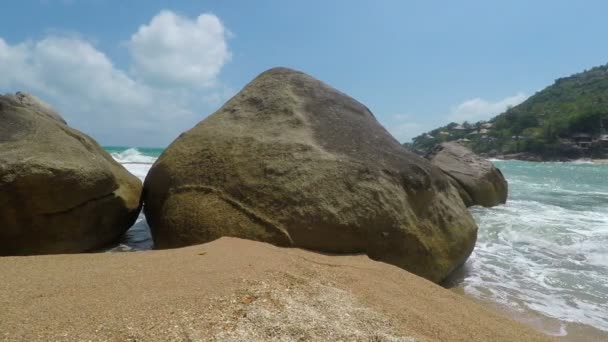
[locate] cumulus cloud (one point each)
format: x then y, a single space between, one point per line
56 65
105 101
479 109
178 50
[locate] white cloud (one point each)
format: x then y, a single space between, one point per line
477 109
106 102
402 127
177 50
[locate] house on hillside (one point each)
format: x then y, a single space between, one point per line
602 141
481 131
467 126
463 127
582 140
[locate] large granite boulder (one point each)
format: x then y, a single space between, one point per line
478 180
60 192
294 162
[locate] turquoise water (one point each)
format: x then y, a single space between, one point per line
138 161
546 250
153 152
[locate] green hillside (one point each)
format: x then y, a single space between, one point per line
568 119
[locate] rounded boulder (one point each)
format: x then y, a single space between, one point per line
60 192
291 161
479 181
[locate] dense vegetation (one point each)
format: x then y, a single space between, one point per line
548 124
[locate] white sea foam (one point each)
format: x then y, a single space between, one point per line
547 248
136 162
139 170
138 237
582 161
133 156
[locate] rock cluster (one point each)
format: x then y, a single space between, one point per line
289 160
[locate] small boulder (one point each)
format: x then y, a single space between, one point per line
478 180
60 192
294 162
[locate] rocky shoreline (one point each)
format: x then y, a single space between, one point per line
524 156
288 161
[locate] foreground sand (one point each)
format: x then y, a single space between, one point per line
234 290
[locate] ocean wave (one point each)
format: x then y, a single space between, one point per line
550 258
546 249
582 161
132 156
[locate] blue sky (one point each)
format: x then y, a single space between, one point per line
138 73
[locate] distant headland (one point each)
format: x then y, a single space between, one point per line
565 121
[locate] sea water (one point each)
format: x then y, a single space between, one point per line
138 161
546 250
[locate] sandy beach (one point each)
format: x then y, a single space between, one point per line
233 290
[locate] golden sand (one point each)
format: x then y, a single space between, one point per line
234 290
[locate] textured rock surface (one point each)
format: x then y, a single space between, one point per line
480 182
60 192
292 161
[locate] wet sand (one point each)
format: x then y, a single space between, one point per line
562 331
234 290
